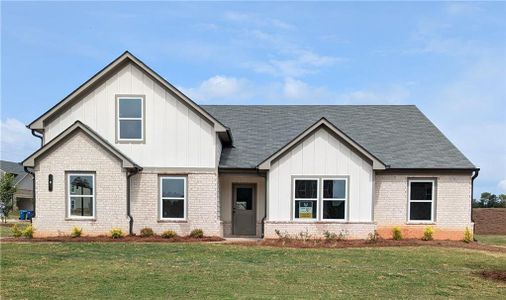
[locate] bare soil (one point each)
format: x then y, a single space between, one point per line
494 275
107 239
489 220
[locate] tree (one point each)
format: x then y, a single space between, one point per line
7 190
489 200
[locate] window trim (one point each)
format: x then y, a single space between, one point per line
345 199
317 199
432 201
69 207
161 198
142 119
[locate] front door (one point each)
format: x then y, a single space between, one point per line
244 212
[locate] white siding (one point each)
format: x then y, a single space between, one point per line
175 135
321 154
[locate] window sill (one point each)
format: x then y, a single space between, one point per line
81 219
421 223
172 221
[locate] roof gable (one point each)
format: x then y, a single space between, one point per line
114 66
126 162
377 164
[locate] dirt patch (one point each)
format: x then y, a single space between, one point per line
494 275
489 220
107 239
364 243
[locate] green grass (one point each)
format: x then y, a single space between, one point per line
497 240
138 270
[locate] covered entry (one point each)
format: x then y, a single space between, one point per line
244 209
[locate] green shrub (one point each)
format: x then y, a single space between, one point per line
197 233
330 236
147 232
397 233
76 232
168 234
427 233
16 232
373 237
28 232
468 236
116 233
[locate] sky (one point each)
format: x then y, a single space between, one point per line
449 59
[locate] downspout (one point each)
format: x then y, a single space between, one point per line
34 133
130 218
265 203
476 173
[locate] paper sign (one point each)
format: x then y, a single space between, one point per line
306 210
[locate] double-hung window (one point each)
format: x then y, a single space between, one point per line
130 126
81 195
306 199
334 199
172 198
421 200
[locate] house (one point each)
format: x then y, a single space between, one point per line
23 182
127 149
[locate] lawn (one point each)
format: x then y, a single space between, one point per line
5 229
168 270
497 240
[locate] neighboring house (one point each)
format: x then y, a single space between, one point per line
127 149
23 198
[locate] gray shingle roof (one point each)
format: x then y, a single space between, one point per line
399 135
12 167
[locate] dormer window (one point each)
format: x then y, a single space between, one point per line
130 119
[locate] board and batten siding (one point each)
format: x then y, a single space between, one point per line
175 136
321 154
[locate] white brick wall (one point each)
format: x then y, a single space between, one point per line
317 229
453 200
79 153
202 204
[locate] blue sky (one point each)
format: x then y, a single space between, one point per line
447 58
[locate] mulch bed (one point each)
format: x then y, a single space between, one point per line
107 239
364 244
494 275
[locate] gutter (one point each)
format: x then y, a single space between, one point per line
34 133
476 173
135 171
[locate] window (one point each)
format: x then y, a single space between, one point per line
172 198
130 114
81 195
421 201
334 199
306 199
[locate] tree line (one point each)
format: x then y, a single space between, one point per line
489 200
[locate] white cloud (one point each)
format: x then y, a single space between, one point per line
16 140
220 87
395 94
502 185
460 8
240 17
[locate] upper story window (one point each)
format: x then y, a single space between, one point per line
421 200
81 195
130 119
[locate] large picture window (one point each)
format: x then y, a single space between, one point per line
306 199
172 198
334 199
421 200
130 114
81 195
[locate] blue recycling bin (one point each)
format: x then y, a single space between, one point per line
29 214
22 214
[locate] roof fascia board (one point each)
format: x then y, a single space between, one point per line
377 164
126 162
38 124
